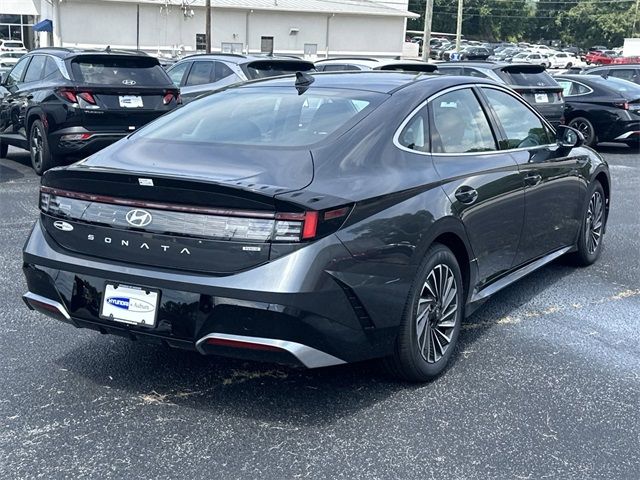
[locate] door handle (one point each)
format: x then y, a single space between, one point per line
532 179
466 195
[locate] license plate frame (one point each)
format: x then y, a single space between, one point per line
130 101
130 304
541 98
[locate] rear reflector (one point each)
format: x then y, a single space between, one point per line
75 137
223 342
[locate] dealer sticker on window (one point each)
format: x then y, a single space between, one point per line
129 304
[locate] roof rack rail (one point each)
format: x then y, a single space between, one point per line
236 55
370 59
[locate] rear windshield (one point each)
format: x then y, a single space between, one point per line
268 116
13 44
12 54
527 77
130 71
272 68
619 85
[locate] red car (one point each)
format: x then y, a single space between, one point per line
626 60
599 57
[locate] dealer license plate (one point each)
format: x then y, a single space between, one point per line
129 304
131 101
542 98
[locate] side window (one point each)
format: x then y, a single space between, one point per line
34 72
338 67
414 135
624 73
51 70
472 72
522 127
221 71
16 72
177 72
201 73
579 89
459 124
566 87
451 70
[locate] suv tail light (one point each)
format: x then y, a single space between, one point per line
170 95
72 95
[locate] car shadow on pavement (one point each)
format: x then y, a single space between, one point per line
267 392
618 148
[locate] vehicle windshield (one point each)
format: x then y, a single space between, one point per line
265 116
13 44
270 68
114 70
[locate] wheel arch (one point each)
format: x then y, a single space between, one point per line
450 232
32 115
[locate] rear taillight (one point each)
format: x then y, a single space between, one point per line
169 96
216 223
87 97
74 96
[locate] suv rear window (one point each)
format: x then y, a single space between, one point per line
265 116
113 70
273 68
527 78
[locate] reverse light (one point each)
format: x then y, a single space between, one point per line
75 137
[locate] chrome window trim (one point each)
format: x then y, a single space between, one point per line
396 136
579 83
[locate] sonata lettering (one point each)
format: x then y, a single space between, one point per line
144 245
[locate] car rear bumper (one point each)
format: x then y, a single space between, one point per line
79 141
290 310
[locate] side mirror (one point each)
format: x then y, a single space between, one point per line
569 137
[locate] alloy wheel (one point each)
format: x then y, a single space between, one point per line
36 147
436 313
585 129
593 222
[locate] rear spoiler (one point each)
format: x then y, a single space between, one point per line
409 67
523 68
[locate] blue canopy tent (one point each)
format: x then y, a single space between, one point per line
43 26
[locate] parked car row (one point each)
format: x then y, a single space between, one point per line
63 104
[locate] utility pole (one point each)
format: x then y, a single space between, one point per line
426 35
137 26
207 26
635 19
459 26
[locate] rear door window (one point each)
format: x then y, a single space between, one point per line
119 70
459 124
34 72
200 74
522 127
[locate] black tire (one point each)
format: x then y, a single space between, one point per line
41 157
584 126
592 228
4 149
411 361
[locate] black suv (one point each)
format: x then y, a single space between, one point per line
535 85
629 71
60 102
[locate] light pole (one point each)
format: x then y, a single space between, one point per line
207 26
426 35
459 26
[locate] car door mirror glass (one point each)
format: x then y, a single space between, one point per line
569 137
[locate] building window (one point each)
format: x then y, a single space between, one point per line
17 27
311 50
231 47
201 41
266 44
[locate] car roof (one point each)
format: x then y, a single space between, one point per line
370 80
69 52
241 58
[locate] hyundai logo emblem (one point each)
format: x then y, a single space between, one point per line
129 82
64 226
138 218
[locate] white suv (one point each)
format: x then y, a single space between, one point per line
12 45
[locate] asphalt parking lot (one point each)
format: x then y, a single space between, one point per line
546 384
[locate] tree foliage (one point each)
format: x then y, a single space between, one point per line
576 22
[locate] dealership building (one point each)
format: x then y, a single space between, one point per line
315 28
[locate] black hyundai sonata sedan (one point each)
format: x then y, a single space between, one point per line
317 219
